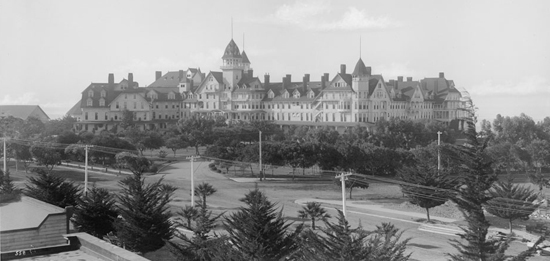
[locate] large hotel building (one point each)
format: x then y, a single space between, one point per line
347 99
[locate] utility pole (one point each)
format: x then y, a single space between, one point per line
5 155
438 151
261 170
86 148
343 177
192 158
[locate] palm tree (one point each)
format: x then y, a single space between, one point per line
314 211
204 190
189 213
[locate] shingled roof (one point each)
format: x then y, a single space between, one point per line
231 51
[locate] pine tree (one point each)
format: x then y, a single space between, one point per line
313 211
8 191
95 212
188 213
433 185
511 201
258 232
341 242
52 189
145 222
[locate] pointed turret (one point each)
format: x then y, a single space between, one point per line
245 57
360 69
231 51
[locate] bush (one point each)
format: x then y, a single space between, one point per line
219 171
154 168
212 165
540 229
162 154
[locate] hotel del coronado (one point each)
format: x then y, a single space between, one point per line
348 98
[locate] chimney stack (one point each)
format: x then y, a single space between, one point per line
266 79
181 75
409 79
158 74
305 80
400 78
326 77
441 75
131 78
342 68
369 70
111 79
323 81
392 82
288 79
284 82
250 73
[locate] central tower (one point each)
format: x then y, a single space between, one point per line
232 65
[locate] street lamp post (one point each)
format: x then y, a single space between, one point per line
192 159
438 151
343 177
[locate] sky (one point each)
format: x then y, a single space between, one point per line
499 51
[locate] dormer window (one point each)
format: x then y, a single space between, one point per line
102 102
90 93
103 93
171 96
311 95
285 95
296 94
89 102
270 94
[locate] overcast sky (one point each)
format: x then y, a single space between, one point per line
499 51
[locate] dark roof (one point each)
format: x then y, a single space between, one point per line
218 76
245 57
162 94
360 68
170 79
231 51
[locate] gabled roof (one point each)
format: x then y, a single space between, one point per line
231 51
23 112
170 79
245 57
162 94
347 79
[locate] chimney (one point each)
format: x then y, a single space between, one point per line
400 78
250 73
342 68
305 80
158 74
323 81
392 82
288 79
441 75
131 78
409 79
181 75
326 77
111 79
284 82
266 79
369 70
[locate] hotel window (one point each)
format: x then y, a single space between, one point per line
103 94
90 93
95 116
117 105
89 102
106 116
102 102
86 115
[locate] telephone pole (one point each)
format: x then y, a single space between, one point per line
192 159
86 148
343 177
261 170
5 155
438 151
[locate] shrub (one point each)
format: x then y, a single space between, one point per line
219 171
162 154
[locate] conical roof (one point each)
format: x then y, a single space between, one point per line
231 51
360 69
245 57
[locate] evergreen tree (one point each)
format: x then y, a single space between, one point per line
341 242
52 189
477 178
95 212
8 191
433 185
511 201
314 211
188 213
258 232
145 222
353 181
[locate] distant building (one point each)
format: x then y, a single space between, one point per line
348 99
23 112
